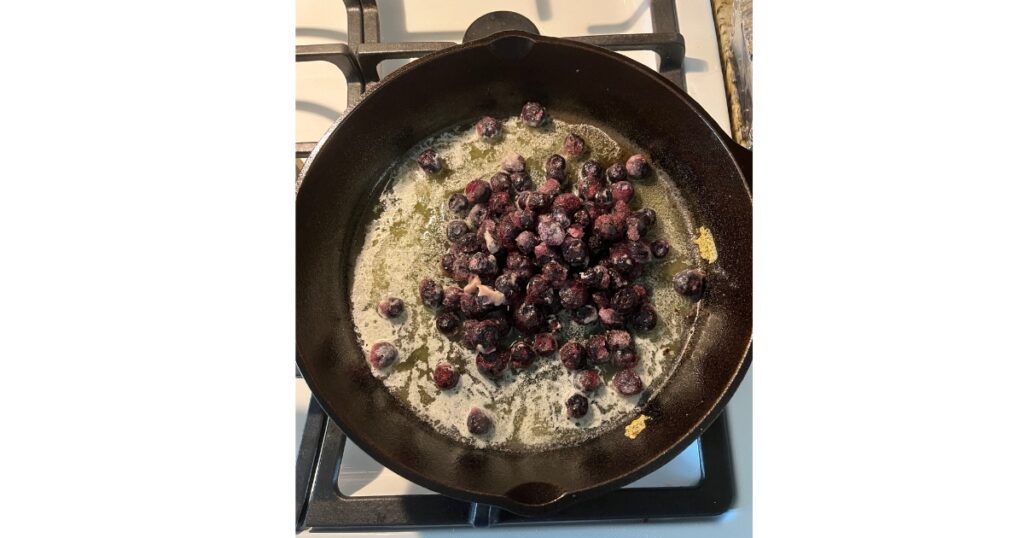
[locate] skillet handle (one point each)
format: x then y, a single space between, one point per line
745 160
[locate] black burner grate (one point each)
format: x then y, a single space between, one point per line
320 506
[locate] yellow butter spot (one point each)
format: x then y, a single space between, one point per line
634 428
706 245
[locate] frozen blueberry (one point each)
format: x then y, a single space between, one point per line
616 172
622 190
550 187
610 318
506 283
539 292
603 199
639 251
521 181
448 262
528 318
451 298
382 354
596 277
607 228
645 319
544 344
573 355
526 241
647 215
533 114
483 264
627 383
429 161
478 422
458 204
576 406
582 218
390 307
618 340
567 202
554 167
574 251
447 323
513 162
515 261
445 376
638 167
480 335
574 145
618 259
584 315
544 253
555 273
430 292
551 233
477 191
537 201
522 355
499 204
477 214
591 168
576 231
488 128
597 349
523 219
586 380
500 182
659 248
573 296
589 187
689 283
624 358
636 228
456 229
492 366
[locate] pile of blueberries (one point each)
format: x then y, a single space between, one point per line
524 253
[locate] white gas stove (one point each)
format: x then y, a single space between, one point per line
321 97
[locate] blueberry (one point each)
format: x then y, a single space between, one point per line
456 229
591 168
582 218
447 262
478 422
622 190
586 380
522 355
470 306
458 204
647 215
584 315
619 260
576 406
429 161
603 198
537 201
488 128
645 319
574 251
477 191
526 241
567 202
507 285
499 204
573 355
521 181
506 233
382 354
513 162
615 172
539 292
452 298
576 231
544 344
555 273
689 283
523 219
521 199
476 215
499 318
515 261
528 318
390 307
544 253
480 335
610 319
492 366
638 167
574 145
607 228
554 167
481 263
551 233
597 349
596 277
500 182
635 228
560 217
447 323
445 376
639 251
659 248
600 299
533 114
573 296
618 340
430 293
550 187
627 383
589 187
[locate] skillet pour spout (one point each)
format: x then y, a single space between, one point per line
494 76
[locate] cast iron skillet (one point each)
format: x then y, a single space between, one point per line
495 76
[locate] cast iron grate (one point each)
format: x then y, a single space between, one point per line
320 507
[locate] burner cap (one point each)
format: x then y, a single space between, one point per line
498 21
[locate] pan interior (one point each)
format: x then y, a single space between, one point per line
404 242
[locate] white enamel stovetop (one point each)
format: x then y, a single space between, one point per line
320 99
